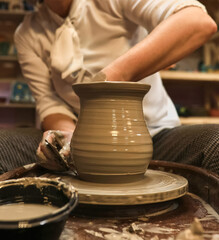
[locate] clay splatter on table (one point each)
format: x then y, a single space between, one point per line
165 226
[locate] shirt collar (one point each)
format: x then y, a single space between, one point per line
76 12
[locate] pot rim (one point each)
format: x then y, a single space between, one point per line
112 85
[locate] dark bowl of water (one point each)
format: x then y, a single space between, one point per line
35 208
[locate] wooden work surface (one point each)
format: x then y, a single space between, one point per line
143 222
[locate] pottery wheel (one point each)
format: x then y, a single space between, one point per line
156 186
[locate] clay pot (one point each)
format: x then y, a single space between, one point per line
111 142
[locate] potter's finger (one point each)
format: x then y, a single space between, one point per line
49 137
65 151
48 159
47 152
42 160
63 137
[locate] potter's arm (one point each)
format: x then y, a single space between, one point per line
174 38
58 121
54 113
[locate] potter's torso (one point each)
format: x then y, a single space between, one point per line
105 31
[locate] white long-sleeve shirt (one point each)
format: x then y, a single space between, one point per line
100 31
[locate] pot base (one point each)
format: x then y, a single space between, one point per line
114 179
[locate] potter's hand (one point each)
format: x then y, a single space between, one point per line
54 151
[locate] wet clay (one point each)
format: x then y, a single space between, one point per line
21 211
111 142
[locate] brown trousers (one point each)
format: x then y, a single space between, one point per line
196 145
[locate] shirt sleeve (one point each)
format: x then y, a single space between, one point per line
37 74
149 13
